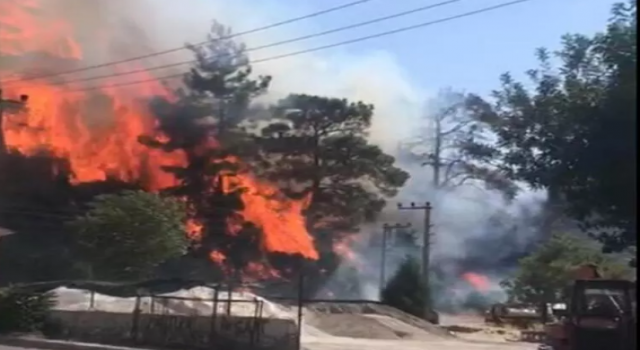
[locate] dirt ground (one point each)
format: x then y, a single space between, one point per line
372 326
354 327
472 327
344 343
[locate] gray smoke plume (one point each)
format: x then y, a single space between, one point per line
474 230
467 235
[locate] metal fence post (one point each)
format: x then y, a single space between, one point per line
214 316
300 309
136 319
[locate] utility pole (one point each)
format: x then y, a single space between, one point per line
9 105
426 249
386 230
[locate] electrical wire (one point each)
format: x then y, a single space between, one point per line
274 44
342 43
164 52
324 47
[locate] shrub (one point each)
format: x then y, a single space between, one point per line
407 290
23 310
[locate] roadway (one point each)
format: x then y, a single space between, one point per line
359 344
5 347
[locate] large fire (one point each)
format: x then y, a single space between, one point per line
97 131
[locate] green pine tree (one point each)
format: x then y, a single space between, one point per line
407 290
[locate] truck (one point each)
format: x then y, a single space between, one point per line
600 315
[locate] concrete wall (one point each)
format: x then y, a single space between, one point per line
177 330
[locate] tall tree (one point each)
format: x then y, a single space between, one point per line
317 147
321 150
206 125
450 145
574 132
126 236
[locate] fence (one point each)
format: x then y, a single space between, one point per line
222 321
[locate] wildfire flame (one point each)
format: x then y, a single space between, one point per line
97 131
479 282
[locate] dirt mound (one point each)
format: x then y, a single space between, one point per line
372 308
353 326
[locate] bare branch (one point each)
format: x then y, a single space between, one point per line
459 126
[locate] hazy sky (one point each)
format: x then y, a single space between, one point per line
471 52
397 73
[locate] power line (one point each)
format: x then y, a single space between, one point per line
324 47
278 43
164 52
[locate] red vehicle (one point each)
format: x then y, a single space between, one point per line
601 315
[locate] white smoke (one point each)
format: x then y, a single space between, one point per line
370 76
110 31
373 76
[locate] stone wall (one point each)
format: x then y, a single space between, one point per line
177 330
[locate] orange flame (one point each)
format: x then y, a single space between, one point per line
479 282
194 230
217 256
97 131
22 32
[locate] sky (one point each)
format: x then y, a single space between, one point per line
469 53
397 73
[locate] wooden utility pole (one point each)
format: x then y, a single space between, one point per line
386 230
426 249
9 105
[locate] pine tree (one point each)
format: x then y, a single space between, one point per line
407 290
205 125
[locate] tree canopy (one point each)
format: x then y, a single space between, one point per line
572 128
312 147
569 129
125 236
321 149
544 275
452 145
206 124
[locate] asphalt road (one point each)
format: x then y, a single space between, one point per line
353 344
383 346
4 347
359 344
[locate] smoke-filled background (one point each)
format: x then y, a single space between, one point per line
476 231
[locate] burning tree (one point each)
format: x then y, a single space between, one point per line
317 146
321 146
204 124
197 145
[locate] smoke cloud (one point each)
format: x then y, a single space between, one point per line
464 234
110 31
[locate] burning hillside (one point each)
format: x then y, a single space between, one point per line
97 131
